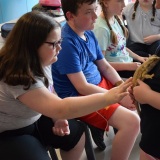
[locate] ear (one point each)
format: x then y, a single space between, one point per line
69 15
105 3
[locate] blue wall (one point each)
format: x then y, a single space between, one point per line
13 9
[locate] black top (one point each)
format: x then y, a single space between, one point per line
150 119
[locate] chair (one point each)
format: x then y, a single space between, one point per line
88 146
52 153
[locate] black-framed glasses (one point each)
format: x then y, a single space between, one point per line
54 44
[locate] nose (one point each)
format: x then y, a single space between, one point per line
95 15
58 47
123 4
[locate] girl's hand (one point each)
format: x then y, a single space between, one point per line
150 39
142 59
139 91
135 65
61 128
116 94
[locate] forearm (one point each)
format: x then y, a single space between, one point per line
84 105
90 89
69 108
90 103
50 105
152 98
158 37
119 66
132 54
111 74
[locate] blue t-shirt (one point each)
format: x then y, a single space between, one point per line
76 55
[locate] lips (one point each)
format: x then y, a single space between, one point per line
57 54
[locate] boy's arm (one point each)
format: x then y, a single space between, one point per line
82 86
111 74
108 71
85 88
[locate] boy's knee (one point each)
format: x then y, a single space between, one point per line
134 121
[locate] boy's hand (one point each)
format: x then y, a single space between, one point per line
142 59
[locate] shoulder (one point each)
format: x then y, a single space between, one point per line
18 90
69 36
39 83
129 5
101 26
67 31
100 23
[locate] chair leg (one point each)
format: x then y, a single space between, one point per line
53 153
88 145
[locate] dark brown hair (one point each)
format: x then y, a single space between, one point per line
19 59
73 5
153 10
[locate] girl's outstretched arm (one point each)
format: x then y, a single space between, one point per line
49 104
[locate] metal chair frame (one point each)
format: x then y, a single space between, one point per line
88 146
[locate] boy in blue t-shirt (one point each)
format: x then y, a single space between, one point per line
81 69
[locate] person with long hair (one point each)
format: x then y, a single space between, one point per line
112 35
147 93
32 116
150 113
143 21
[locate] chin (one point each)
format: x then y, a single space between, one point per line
90 28
55 59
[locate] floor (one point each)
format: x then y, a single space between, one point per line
105 155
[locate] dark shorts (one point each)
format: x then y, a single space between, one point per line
64 142
31 143
145 50
126 74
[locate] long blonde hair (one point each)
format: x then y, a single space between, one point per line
113 35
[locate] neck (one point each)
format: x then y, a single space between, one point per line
77 30
146 8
